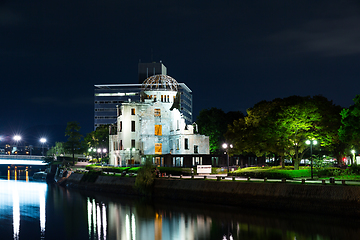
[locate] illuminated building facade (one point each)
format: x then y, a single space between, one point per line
154 126
108 96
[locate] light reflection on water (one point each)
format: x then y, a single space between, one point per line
22 199
34 210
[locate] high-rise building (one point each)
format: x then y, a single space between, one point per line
108 96
146 70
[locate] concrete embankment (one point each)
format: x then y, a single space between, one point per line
333 199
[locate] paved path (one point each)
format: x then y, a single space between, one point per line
225 177
307 181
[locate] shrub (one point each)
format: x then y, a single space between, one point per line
91 176
145 178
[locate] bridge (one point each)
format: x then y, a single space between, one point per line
20 167
22 160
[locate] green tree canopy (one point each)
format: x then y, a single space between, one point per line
282 126
349 131
98 138
213 123
56 150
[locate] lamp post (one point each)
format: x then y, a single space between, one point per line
99 153
102 155
311 143
17 139
43 141
353 156
226 147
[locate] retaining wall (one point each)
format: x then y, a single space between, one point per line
334 199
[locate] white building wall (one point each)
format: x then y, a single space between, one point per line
174 130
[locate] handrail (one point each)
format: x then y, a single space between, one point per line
22 157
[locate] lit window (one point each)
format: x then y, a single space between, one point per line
158 130
133 111
157 112
158 148
133 126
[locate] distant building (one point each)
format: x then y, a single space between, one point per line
146 70
108 96
154 126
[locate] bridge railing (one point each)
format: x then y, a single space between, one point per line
22 157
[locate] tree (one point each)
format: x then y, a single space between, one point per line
98 138
73 143
349 131
213 123
283 125
57 150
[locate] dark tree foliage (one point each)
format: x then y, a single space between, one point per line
349 131
213 123
73 143
282 126
98 138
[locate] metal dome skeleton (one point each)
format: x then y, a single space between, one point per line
160 82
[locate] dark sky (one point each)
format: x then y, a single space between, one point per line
232 54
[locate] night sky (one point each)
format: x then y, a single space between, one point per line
232 54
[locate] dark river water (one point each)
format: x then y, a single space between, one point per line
36 210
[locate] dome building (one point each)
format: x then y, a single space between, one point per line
154 127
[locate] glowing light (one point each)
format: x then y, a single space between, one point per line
16 213
98 214
94 214
104 221
17 138
89 207
43 140
42 204
133 226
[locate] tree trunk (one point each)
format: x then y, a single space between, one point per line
282 161
296 164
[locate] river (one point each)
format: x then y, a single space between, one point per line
36 210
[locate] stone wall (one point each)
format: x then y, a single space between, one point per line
333 199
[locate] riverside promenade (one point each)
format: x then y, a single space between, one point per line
313 196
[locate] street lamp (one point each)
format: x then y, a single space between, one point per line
353 155
226 147
17 138
99 153
311 143
43 141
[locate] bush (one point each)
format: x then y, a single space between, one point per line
91 176
145 178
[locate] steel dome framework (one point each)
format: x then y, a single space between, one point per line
160 82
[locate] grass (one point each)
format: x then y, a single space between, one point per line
273 172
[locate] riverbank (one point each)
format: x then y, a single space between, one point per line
332 199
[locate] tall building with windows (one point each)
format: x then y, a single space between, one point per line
108 96
154 125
